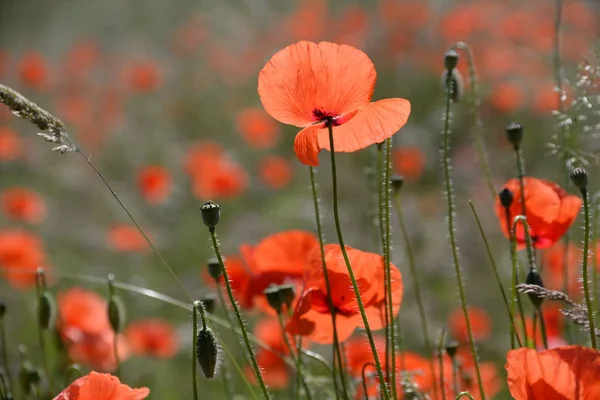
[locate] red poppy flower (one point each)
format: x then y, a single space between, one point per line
83 311
408 162
76 109
33 70
126 238
307 84
143 76
23 205
569 372
481 325
507 97
98 350
467 379
154 182
556 260
10 144
95 386
276 373
258 129
21 254
311 316
549 209
153 337
81 58
275 171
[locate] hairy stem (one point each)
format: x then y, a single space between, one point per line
584 267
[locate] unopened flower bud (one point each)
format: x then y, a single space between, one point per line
209 301
211 212
514 133
451 59
506 197
397 182
272 294
207 352
452 348
46 310
2 310
116 313
534 278
214 268
287 292
579 176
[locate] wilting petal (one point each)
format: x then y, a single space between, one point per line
306 77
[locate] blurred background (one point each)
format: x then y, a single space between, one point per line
153 89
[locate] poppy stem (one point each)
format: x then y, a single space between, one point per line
415 283
364 379
336 344
452 228
513 329
513 251
4 352
295 358
40 286
196 306
229 320
474 103
384 389
440 353
238 315
464 394
521 174
543 327
594 241
584 267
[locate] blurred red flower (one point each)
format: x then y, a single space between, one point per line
10 144
3 63
21 254
126 238
95 386
152 337
257 128
311 316
22 204
276 373
507 97
81 59
142 76
481 325
549 209
569 372
467 378
154 183
307 84
558 260
275 172
408 162
33 71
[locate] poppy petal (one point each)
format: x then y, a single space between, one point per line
306 77
306 146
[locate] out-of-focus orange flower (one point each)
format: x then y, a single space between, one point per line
545 99
569 372
558 260
352 26
549 209
239 278
95 386
21 254
507 97
276 373
311 316
408 162
126 238
154 183
81 58
188 37
213 174
307 84
97 351
358 353
258 129
22 204
75 109
481 325
152 337
33 71
3 63
10 144
275 172
143 76
467 380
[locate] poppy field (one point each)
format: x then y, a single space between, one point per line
304 199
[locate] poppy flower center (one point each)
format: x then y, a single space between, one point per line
322 116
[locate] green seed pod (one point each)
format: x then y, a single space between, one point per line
287 292
272 294
207 352
211 213
514 133
214 268
116 313
2 310
579 176
534 278
397 182
452 348
451 59
46 310
506 197
209 301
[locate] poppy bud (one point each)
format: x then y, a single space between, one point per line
452 348
456 84
397 182
207 352
287 293
46 310
514 133
116 313
272 293
451 59
534 278
211 212
579 176
506 197
214 268
2 310
209 301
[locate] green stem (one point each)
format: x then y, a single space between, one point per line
415 283
295 358
5 353
384 389
513 252
464 394
336 345
521 173
455 375
584 267
230 321
238 315
299 376
543 328
513 329
594 241
197 305
40 288
451 229
364 379
116 352
440 351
